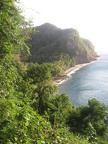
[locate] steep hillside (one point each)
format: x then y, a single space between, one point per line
51 42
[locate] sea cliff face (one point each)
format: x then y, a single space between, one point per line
51 42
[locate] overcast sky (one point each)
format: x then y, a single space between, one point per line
89 17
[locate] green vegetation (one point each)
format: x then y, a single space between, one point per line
51 42
62 48
31 111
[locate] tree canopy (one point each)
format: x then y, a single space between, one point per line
31 111
51 42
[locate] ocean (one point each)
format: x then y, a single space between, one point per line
90 81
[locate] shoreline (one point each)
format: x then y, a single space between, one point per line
69 72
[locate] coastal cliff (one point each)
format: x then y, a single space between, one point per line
50 43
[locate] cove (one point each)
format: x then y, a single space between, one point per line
90 81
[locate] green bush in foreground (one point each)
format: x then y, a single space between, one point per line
30 110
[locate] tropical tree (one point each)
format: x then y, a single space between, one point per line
60 109
43 85
12 25
90 120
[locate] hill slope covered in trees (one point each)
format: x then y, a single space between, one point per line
51 43
31 111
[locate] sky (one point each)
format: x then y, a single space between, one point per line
89 17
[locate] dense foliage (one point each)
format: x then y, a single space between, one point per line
62 48
51 42
31 111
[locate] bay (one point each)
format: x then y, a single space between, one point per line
91 81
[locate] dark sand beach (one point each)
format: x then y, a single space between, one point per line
68 73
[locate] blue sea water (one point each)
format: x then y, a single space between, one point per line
91 81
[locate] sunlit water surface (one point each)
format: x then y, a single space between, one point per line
91 81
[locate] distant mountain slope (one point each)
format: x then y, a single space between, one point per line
51 42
